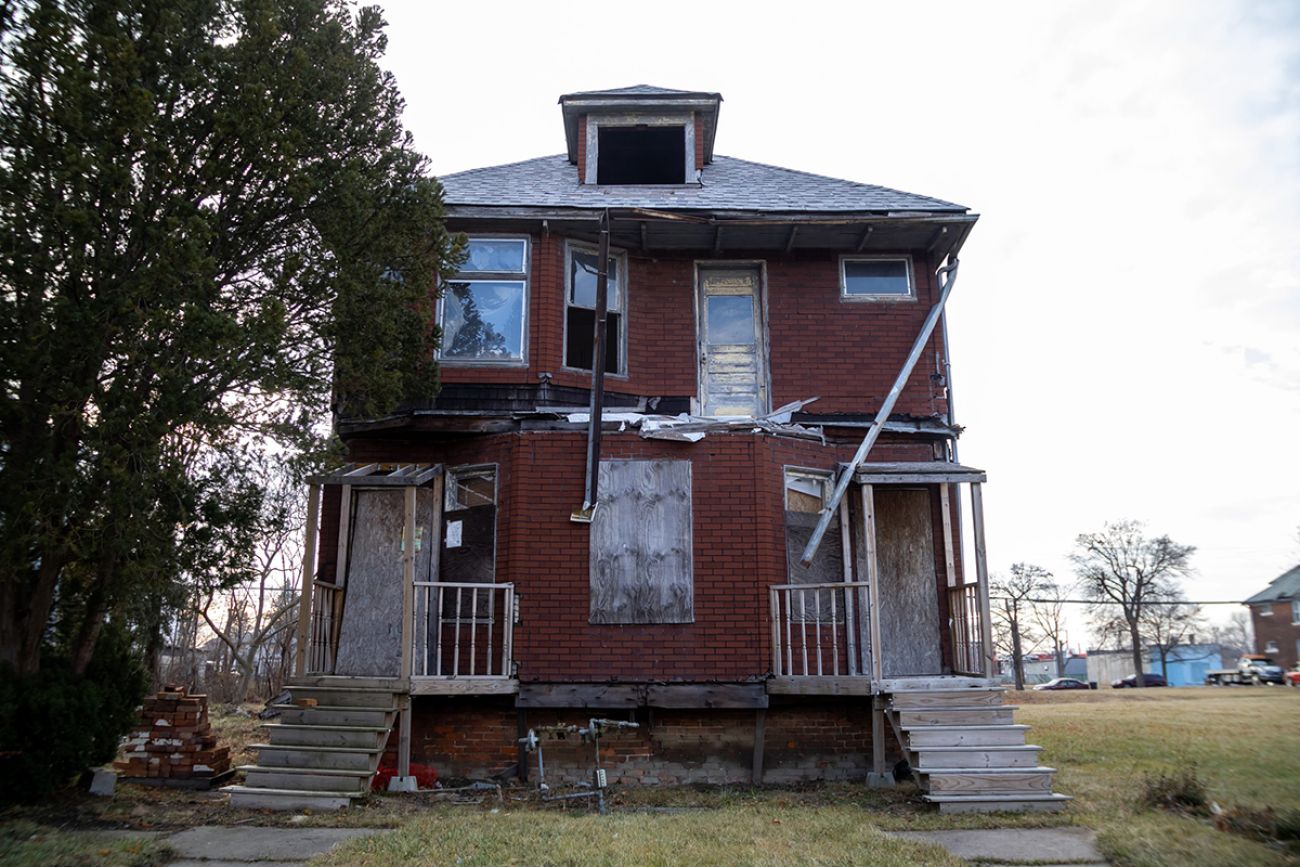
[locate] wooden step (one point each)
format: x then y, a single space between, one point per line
958 716
966 736
345 696
999 781
946 698
336 715
975 757
306 779
387 684
332 758
286 799
999 803
361 737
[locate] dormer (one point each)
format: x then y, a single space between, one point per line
640 135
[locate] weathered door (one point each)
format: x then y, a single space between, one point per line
370 632
733 357
908 593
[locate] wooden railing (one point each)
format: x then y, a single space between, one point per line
320 630
464 630
820 630
968 652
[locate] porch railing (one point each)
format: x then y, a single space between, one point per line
820 630
968 651
464 630
320 631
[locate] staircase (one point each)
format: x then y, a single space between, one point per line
321 757
968 754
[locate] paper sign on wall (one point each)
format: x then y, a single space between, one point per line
453 534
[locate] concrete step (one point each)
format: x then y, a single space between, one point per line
966 736
335 715
332 758
999 803
286 799
957 716
998 781
305 779
359 737
345 696
946 698
975 757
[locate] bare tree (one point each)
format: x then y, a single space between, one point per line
1234 637
1124 571
1010 597
1047 614
1167 625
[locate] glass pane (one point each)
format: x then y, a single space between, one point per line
483 319
876 277
731 319
495 254
582 280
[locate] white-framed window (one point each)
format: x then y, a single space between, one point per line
876 278
807 492
1264 610
484 309
580 267
1295 612
1270 647
468 487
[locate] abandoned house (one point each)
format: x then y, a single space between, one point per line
693 464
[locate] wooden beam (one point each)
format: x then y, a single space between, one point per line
851 597
873 578
814 685
308 577
464 686
878 737
404 739
949 556
408 586
982 576
760 736
721 696
340 571
575 695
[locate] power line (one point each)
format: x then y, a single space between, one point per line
1108 602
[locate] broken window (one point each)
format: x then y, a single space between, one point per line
580 312
484 306
641 560
641 155
807 493
875 277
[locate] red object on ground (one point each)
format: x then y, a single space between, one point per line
425 777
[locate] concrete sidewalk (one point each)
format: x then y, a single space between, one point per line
1049 847
239 846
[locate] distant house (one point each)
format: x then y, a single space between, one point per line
1041 667
1184 665
1275 615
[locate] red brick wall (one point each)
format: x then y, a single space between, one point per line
848 353
803 742
582 149
699 140
1276 627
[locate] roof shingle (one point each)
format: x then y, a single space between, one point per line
1285 586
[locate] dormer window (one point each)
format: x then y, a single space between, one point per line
641 155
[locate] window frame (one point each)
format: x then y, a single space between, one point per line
524 276
827 480
621 257
595 120
469 471
1295 612
845 295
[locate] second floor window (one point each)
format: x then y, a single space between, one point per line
484 307
580 312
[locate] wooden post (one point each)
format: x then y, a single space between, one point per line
308 576
340 571
760 735
949 557
408 586
982 576
404 741
846 554
873 582
879 776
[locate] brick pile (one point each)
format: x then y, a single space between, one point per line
174 744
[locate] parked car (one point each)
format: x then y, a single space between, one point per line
1130 682
1259 668
1063 683
1293 676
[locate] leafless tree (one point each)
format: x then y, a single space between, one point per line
1234 637
1167 625
1009 596
1047 615
1124 571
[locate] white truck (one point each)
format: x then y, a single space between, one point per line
1253 668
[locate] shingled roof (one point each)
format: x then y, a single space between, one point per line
727 184
1284 587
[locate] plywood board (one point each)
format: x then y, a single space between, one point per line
370 634
641 560
909 600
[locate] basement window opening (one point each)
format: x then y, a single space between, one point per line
641 155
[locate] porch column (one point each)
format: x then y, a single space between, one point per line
308 576
982 576
408 636
873 585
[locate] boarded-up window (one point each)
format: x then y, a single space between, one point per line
806 495
641 558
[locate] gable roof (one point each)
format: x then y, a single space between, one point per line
637 90
726 184
1284 587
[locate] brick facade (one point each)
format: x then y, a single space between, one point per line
1279 627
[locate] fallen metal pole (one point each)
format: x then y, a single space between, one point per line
584 515
949 275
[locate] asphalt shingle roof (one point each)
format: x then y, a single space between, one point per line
634 90
1285 586
726 184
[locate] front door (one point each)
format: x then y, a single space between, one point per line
733 368
910 643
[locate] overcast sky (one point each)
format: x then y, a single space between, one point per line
1126 327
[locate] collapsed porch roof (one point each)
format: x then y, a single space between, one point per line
917 472
379 475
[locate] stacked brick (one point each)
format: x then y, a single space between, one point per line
174 743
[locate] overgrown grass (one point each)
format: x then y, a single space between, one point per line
26 844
